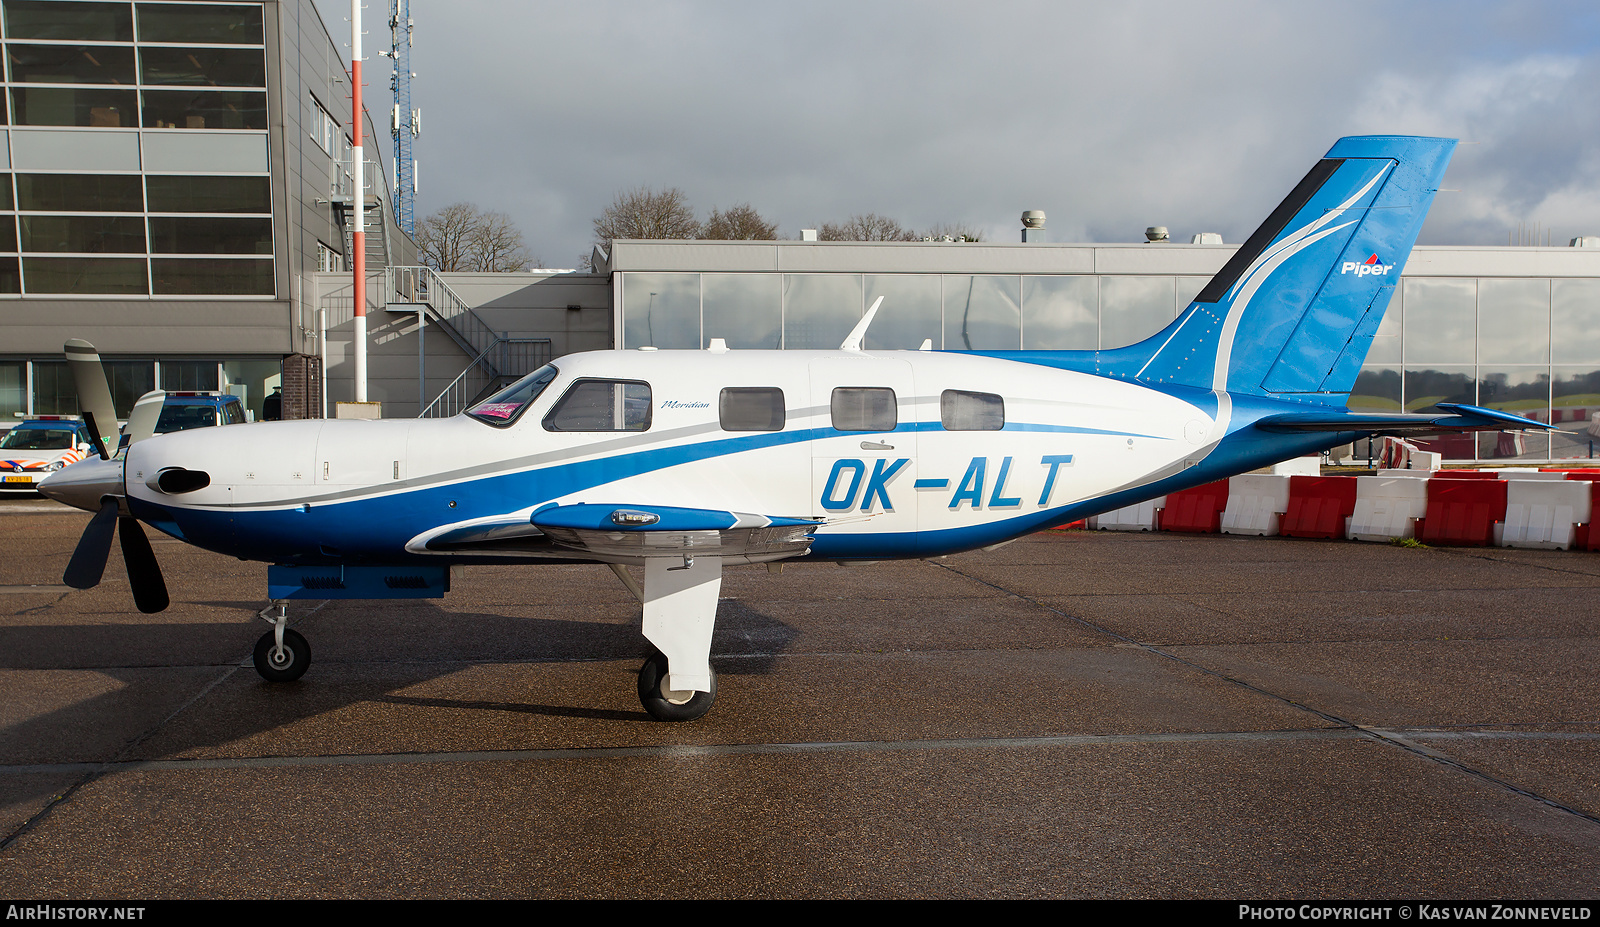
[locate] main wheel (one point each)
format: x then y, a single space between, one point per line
287 665
668 705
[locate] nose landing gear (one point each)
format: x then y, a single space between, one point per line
281 655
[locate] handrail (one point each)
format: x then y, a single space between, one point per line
472 382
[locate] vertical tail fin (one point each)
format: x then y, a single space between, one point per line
1295 309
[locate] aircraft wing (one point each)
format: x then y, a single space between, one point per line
633 532
1457 417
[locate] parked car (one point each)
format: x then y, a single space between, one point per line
185 410
39 446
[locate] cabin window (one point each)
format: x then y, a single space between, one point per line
756 408
864 408
960 410
602 405
504 407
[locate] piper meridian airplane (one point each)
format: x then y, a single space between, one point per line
681 462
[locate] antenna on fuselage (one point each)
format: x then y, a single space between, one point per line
852 341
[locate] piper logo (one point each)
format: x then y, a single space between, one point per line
1370 266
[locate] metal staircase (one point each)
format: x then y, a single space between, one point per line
497 359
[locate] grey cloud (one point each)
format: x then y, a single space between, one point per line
1108 117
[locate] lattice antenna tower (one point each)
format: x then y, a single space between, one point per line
405 123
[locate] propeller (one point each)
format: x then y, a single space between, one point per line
100 486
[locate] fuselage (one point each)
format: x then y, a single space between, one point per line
896 454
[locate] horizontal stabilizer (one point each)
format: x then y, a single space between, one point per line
1458 418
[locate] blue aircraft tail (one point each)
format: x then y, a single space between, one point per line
1295 309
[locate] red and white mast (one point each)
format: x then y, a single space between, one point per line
358 240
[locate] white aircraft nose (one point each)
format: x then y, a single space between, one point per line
83 484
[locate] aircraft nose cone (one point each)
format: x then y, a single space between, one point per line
83 484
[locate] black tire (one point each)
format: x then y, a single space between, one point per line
295 648
655 701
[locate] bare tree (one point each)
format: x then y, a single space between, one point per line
645 213
740 222
870 227
462 237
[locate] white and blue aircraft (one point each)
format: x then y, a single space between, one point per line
681 462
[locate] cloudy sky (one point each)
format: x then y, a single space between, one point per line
1108 116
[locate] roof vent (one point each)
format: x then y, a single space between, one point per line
1586 241
1156 233
808 234
1033 225
1206 238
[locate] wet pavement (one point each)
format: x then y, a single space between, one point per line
1073 715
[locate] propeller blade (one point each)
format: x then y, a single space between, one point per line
144 574
94 396
142 420
88 561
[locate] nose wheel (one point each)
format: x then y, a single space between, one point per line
281 655
666 704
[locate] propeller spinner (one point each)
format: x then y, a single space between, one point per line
99 485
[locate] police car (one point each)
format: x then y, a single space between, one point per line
181 411
40 446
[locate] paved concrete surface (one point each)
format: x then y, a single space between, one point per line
1074 715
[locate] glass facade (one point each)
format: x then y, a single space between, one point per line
108 84
46 387
1528 345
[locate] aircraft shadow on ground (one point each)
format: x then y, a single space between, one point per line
364 656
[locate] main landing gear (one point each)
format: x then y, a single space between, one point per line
281 655
679 596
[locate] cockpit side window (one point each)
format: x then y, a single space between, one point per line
602 405
506 406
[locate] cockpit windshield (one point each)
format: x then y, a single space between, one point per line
506 406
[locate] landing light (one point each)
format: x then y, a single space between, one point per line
630 519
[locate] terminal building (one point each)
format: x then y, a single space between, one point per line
178 193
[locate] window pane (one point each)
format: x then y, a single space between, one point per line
67 106
1377 389
819 310
1575 399
85 275
8 233
1134 308
661 310
1514 321
204 109
864 409
47 19
188 376
201 277
80 192
209 194
910 312
54 392
128 381
1440 321
1575 321
1523 391
83 234
13 382
70 64
602 405
1425 387
1060 313
963 411
10 276
207 25
745 310
982 313
206 67
751 409
204 235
